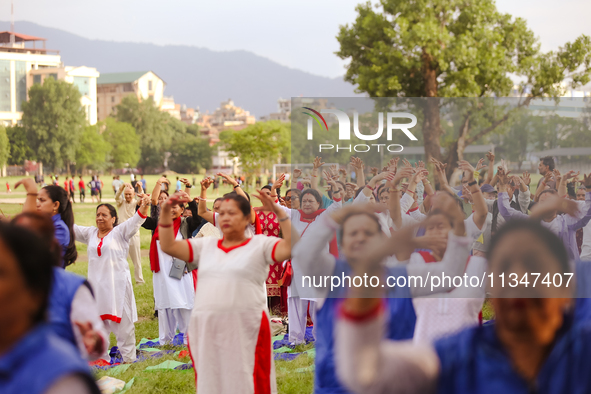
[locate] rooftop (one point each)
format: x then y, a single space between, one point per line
5 37
111 78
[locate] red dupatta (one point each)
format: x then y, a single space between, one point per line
154 260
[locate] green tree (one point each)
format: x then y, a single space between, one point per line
92 150
257 145
450 48
190 154
156 129
193 129
54 119
124 141
4 146
19 146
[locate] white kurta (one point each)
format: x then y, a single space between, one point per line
171 293
229 333
109 273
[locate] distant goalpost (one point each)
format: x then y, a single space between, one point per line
305 167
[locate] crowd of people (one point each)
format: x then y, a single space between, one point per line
220 274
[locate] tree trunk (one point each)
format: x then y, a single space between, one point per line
432 122
456 151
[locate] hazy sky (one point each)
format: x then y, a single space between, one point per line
299 34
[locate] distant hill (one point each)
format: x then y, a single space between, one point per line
194 76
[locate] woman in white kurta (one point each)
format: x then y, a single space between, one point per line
229 333
108 272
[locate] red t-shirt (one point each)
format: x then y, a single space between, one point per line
81 184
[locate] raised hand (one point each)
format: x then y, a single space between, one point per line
526 178
343 171
267 201
557 176
357 163
279 182
587 181
206 183
164 180
29 184
468 169
373 170
490 156
406 163
480 165
178 198
145 200
297 173
317 163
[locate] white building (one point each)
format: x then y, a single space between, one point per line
22 64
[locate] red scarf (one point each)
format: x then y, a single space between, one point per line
333 247
154 260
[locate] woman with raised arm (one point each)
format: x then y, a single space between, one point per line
213 216
53 200
173 294
235 357
108 271
534 345
362 236
298 306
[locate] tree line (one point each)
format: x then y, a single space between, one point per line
54 130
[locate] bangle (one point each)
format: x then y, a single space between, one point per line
32 194
370 188
410 191
315 176
476 191
164 225
472 183
284 219
236 186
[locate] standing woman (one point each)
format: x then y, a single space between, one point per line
53 200
173 296
108 271
229 333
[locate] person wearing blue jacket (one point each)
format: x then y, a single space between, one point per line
535 346
361 229
33 358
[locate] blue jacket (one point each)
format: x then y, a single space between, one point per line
402 318
474 361
63 288
39 360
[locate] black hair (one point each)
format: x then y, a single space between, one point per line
546 237
42 225
243 203
352 214
344 190
380 188
570 190
315 194
548 161
59 194
112 211
164 192
247 195
35 262
297 192
217 199
268 187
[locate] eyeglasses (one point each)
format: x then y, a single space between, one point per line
288 198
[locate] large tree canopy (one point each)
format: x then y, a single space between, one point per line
156 129
453 48
53 120
124 142
258 145
20 149
92 150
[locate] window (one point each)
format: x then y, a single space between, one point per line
37 79
112 109
54 76
128 87
83 85
5 85
150 85
112 99
20 73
